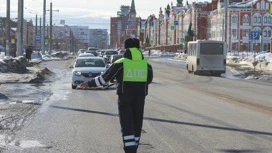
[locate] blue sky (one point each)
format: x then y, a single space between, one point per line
92 13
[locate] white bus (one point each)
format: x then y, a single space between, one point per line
206 57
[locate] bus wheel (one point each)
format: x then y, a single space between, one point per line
193 70
187 67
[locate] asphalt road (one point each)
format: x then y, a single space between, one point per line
183 114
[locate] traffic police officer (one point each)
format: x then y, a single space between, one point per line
133 74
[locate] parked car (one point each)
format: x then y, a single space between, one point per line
107 54
86 68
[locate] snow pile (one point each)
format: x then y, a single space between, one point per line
181 56
158 53
262 61
15 65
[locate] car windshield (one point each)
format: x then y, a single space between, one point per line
90 63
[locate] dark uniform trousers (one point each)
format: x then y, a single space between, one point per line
131 111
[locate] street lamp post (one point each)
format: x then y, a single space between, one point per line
51 29
43 28
8 29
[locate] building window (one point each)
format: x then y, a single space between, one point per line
255 19
269 19
245 32
269 33
259 19
265 33
258 5
267 6
265 19
234 32
245 19
234 19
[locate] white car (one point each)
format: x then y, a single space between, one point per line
86 68
86 55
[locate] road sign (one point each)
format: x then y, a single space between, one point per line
255 35
175 22
128 23
38 38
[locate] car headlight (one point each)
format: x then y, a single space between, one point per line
77 73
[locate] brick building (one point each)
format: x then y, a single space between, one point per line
246 17
207 20
117 27
124 25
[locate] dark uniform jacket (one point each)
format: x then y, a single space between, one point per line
124 88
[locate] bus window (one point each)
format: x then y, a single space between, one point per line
212 48
194 50
190 49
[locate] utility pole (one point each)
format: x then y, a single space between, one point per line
8 29
36 32
43 29
18 31
50 33
226 22
20 28
40 32
51 28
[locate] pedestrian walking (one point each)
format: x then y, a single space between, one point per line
133 74
28 53
149 53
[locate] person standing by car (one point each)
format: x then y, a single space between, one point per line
133 74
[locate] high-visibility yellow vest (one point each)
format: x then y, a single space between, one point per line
135 69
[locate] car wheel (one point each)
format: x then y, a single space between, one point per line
73 87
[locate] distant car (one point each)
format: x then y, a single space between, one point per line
86 68
121 51
115 57
86 55
59 54
107 54
101 52
80 51
92 50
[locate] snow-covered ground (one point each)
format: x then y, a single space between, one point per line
240 64
263 60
